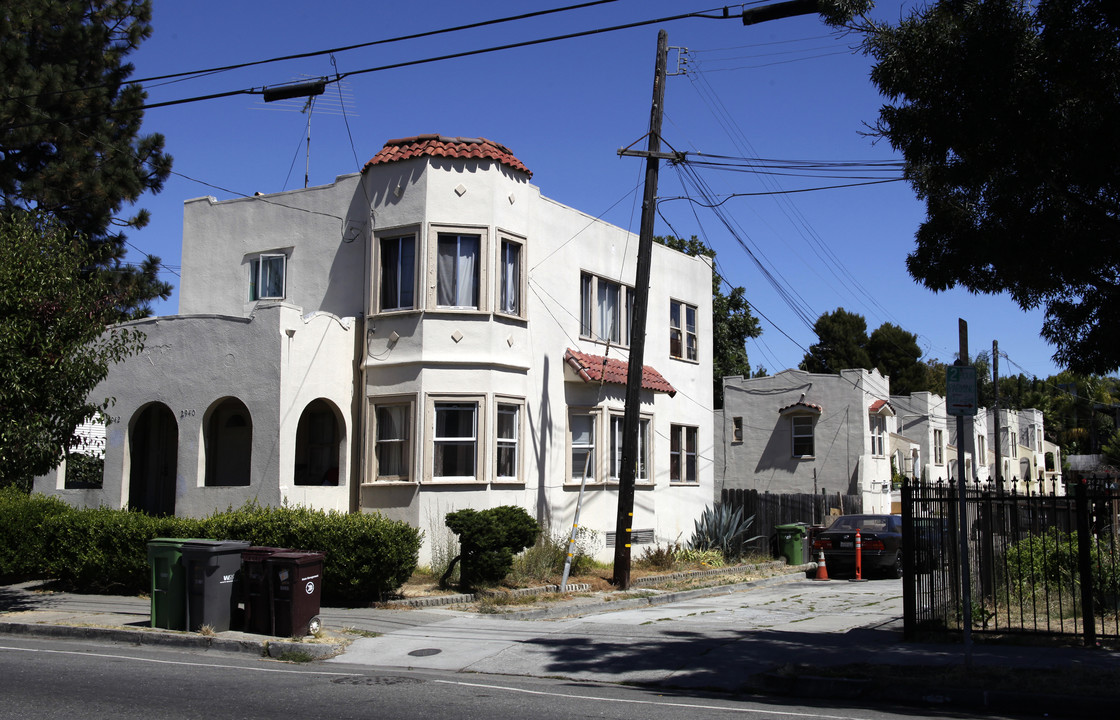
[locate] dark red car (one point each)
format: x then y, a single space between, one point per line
880 540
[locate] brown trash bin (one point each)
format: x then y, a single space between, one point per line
295 589
254 588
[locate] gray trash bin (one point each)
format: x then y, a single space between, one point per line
213 569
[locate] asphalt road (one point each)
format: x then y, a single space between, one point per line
57 680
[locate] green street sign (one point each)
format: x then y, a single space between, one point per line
960 390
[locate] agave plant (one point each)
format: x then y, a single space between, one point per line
722 528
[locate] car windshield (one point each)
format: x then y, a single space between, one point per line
863 523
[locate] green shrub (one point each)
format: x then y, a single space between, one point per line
722 528
488 540
1047 560
105 550
367 555
23 552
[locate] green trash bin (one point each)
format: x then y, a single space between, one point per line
169 583
792 542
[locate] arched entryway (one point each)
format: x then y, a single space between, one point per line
318 442
153 460
228 444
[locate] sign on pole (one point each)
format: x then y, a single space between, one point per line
960 389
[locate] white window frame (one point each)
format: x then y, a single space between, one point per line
433 406
505 405
258 266
402 238
878 432
576 468
681 458
938 447
591 291
797 430
407 453
645 422
481 275
511 277
684 341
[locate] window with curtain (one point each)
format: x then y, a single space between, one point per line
457 270
393 447
266 277
617 423
606 308
508 434
682 453
398 273
509 291
582 441
683 340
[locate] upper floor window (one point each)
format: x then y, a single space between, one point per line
398 273
606 308
509 280
802 430
938 447
458 270
266 277
682 331
878 431
682 453
737 429
642 474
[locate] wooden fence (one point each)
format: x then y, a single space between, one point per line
773 509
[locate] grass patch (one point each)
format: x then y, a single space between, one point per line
296 656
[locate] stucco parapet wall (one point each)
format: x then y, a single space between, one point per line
347 323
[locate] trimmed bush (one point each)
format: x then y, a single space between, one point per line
488 540
367 555
106 551
23 553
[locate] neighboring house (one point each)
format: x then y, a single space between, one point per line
427 335
922 419
801 432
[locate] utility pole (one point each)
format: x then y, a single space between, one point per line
630 422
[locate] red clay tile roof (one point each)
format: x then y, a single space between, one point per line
596 368
801 406
878 406
449 147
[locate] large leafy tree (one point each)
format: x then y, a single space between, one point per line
70 141
54 347
732 321
841 343
896 353
1007 114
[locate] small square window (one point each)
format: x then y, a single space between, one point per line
266 277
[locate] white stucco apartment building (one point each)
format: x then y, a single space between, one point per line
427 335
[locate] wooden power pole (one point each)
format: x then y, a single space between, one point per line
628 471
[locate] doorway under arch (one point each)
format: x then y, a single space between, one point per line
153 460
318 444
228 444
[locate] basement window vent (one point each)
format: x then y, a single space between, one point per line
637 537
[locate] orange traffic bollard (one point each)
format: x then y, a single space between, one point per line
859 563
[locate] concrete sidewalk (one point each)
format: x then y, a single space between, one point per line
784 635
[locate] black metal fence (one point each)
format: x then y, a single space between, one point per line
772 509
1037 564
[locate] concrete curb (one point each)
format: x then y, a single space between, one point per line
464 598
269 647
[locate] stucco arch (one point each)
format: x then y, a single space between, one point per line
153 453
227 444
319 445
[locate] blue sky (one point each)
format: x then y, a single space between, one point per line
790 89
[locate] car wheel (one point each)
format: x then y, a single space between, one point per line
896 568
